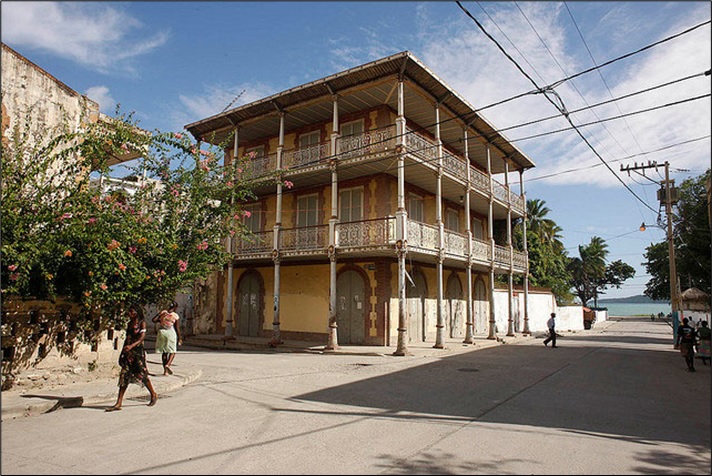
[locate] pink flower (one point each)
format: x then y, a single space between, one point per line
91 220
132 250
68 253
203 245
175 192
247 213
229 184
14 276
239 170
232 232
125 147
182 265
178 135
104 286
12 267
288 184
65 216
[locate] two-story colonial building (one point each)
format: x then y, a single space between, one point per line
392 218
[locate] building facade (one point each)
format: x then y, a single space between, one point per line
392 217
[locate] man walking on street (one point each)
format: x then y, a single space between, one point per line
551 324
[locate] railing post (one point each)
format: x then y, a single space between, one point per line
276 332
490 224
333 339
526 255
469 326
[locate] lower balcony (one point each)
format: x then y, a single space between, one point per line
377 237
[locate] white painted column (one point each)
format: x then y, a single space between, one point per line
510 283
276 257
490 227
440 325
526 255
230 265
401 227
469 326
333 339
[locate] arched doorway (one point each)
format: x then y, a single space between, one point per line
351 307
481 308
415 297
249 309
455 307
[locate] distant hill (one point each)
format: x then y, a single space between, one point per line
639 299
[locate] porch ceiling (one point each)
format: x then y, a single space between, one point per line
367 86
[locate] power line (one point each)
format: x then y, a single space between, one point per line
561 107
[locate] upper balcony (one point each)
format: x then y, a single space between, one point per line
376 145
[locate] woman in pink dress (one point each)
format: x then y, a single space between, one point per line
168 336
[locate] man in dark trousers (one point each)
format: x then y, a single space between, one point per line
686 340
551 324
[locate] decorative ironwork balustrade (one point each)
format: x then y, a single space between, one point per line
500 191
422 235
455 243
258 167
367 143
518 203
254 243
520 260
501 255
376 232
481 250
306 156
454 165
480 180
421 147
307 238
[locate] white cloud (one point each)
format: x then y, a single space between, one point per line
100 94
490 77
95 35
215 99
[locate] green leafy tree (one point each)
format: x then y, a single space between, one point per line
65 237
692 243
547 256
591 276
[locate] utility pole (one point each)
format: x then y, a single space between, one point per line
669 196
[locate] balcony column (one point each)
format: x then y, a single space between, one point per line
440 326
333 339
526 256
401 227
276 257
230 240
490 230
510 283
469 326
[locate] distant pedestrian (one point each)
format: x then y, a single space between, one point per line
168 336
686 340
551 324
704 347
133 360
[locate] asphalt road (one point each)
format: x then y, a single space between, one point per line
616 401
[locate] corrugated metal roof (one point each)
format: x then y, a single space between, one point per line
369 85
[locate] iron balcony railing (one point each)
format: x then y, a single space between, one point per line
377 234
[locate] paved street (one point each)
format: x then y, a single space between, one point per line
614 400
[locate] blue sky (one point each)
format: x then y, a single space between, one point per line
174 63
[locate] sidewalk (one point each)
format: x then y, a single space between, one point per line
103 390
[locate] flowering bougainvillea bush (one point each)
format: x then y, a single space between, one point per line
63 236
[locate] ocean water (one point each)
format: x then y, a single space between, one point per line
633 309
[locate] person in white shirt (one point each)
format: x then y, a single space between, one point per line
551 324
